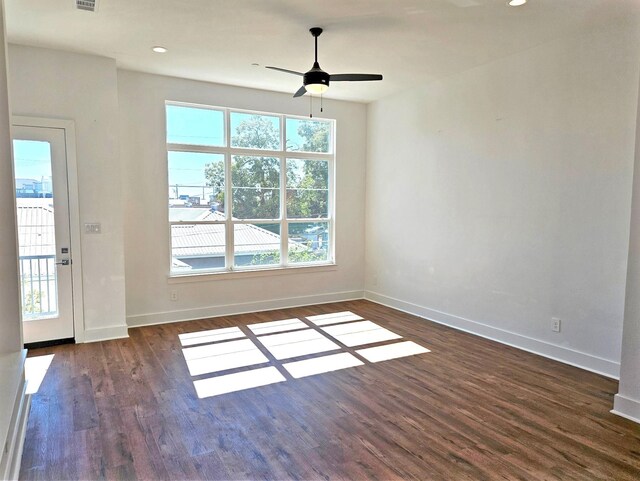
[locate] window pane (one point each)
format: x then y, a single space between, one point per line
308 135
195 126
253 131
308 242
196 186
197 247
307 188
256 244
256 187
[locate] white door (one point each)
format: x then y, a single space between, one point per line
44 248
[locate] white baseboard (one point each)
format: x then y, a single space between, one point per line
239 308
105 333
626 407
579 359
15 405
16 458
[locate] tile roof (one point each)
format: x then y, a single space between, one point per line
199 240
36 227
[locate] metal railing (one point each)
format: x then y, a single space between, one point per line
39 286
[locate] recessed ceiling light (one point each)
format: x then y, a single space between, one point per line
159 49
517 3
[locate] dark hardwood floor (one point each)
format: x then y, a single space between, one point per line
471 409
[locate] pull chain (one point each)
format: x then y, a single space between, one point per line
321 103
310 106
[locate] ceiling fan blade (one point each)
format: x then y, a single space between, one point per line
285 70
354 77
301 91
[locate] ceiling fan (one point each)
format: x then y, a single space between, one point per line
316 80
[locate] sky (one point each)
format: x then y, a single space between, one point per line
32 159
193 126
201 126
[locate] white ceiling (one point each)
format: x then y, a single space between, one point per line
408 41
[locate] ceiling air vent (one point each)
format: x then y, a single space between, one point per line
88 5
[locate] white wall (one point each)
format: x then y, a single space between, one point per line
55 84
11 338
12 382
147 247
627 401
500 197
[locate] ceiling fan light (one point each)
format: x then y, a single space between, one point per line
517 3
317 88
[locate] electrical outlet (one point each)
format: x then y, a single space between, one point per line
555 324
173 295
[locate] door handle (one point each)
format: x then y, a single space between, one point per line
64 262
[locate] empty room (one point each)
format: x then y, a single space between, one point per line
339 240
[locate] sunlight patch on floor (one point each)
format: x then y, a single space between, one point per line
277 326
214 386
359 333
296 344
223 356
392 351
334 318
319 365
214 335
217 350
35 368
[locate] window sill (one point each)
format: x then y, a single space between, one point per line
226 275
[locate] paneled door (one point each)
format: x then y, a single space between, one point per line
44 244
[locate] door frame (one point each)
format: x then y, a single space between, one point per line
69 129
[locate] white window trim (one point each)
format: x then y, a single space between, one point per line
231 271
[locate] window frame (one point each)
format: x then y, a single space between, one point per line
228 152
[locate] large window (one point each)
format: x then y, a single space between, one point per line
248 190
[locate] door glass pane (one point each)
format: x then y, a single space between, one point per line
36 229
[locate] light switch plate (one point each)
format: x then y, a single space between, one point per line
92 228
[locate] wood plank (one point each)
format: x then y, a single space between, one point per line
470 409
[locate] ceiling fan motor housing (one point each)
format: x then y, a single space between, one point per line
316 76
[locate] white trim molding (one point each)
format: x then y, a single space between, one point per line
626 407
106 333
239 308
579 359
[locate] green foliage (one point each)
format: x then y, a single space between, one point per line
295 256
214 173
256 180
32 302
315 135
307 193
258 132
256 187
